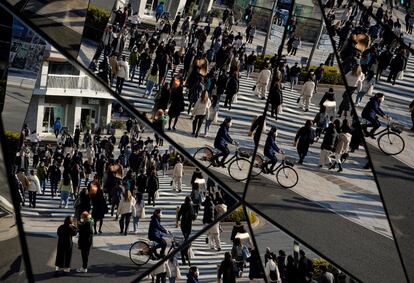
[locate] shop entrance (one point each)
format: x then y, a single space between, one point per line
50 114
88 119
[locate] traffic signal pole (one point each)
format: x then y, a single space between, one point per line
269 29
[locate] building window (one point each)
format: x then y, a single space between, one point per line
62 68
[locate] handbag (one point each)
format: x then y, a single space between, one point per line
190 252
143 213
298 100
280 109
329 104
156 195
254 87
235 98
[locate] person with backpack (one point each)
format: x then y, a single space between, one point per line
271 270
328 145
321 121
196 197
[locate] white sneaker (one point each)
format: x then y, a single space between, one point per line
82 270
57 268
66 270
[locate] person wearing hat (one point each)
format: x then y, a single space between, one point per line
221 141
269 151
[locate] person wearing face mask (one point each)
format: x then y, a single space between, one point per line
156 231
370 113
270 150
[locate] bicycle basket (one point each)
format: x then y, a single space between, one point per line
396 127
245 152
290 161
178 241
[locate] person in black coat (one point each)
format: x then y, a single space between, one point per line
275 98
221 84
303 139
85 239
177 103
82 203
186 216
65 234
176 22
232 88
99 205
152 187
396 66
208 216
255 268
237 228
196 175
227 269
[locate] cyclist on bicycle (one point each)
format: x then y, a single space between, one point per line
221 140
269 151
370 113
156 231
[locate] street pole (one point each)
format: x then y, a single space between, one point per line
269 28
318 38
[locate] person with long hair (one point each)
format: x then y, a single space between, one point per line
65 233
125 209
227 269
177 103
85 239
200 111
152 79
65 188
99 205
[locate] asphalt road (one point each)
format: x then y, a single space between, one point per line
366 255
103 266
396 181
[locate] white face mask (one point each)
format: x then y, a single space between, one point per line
197 273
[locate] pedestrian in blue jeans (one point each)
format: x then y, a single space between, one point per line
152 79
65 188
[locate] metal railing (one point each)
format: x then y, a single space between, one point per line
72 82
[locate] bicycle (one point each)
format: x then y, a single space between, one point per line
389 140
239 164
285 174
143 251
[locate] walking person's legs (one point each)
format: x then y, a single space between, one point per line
127 220
199 124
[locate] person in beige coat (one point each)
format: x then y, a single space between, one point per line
200 111
178 175
125 209
263 81
307 92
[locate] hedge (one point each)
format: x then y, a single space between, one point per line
96 22
118 124
238 215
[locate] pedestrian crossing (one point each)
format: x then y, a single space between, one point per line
205 259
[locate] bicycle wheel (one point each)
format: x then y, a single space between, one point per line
204 155
257 165
139 253
287 177
239 169
391 143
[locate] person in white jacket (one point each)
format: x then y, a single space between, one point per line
307 92
139 211
271 270
200 111
178 175
123 73
263 81
125 209
175 273
33 188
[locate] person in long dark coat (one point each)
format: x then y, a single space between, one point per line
177 103
85 239
227 269
304 138
162 101
82 203
65 233
185 216
99 205
276 98
255 268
